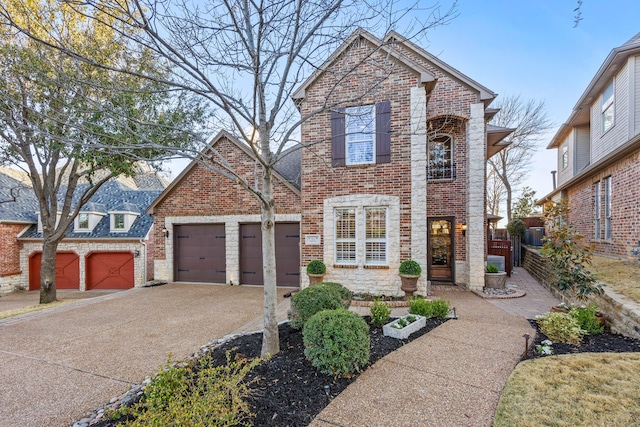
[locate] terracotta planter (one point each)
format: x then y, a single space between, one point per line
314 279
495 280
409 284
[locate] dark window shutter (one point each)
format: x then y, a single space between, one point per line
383 132
337 138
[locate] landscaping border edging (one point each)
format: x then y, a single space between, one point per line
621 312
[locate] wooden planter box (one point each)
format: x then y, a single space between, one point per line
389 331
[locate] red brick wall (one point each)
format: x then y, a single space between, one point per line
321 181
10 253
625 225
204 192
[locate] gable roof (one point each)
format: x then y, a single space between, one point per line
427 78
287 168
580 114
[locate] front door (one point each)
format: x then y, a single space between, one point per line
441 257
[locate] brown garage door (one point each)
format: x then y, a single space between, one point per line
110 270
199 253
287 254
67 270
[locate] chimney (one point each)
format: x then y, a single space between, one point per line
553 177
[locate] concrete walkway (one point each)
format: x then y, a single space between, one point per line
452 376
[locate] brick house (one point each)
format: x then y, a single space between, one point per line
392 169
105 248
599 155
212 225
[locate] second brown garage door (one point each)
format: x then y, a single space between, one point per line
199 253
287 254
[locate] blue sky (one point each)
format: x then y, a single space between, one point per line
531 48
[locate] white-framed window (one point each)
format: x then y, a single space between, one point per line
345 236
121 222
596 210
565 155
83 221
440 165
607 208
360 135
607 104
375 236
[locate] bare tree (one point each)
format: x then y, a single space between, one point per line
511 165
247 59
58 115
495 193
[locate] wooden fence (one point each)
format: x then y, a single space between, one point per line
502 248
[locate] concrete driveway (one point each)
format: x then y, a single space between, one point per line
59 364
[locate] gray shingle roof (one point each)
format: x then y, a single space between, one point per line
115 195
290 165
25 206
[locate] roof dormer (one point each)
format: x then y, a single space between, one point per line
122 217
89 217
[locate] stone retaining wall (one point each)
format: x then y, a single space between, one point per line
622 313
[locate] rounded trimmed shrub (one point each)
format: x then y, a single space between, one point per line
516 227
421 306
561 327
410 267
337 342
309 301
316 267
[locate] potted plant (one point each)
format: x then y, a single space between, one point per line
316 271
404 326
409 271
494 278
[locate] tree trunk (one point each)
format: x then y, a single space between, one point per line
270 337
48 272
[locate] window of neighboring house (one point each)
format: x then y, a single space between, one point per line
565 156
607 208
375 236
440 164
119 222
607 107
596 210
83 221
361 135
345 240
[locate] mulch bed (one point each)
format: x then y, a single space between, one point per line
599 343
289 391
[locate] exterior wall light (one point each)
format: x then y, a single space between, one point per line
464 228
165 232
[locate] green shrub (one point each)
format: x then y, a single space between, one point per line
204 395
440 308
380 312
491 268
410 267
561 327
436 308
516 227
421 306
316 267
336 342
587 319
309 301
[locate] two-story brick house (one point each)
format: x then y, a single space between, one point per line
392 168
599 155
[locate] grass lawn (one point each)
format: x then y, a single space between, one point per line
623 276
585 389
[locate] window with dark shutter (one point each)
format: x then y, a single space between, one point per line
382 136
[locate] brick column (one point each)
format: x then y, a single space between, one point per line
476 155
419 183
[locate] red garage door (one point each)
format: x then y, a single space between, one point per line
110 270
67 270
287 254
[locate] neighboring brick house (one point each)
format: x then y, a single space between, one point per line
208 226
105 248
395 173
599 155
